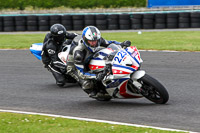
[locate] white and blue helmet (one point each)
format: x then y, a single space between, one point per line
91 38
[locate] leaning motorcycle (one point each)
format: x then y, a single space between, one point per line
124 77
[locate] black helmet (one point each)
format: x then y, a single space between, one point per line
58 33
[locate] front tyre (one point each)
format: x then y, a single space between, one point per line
153 90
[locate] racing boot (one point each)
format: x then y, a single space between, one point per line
60 84
93 93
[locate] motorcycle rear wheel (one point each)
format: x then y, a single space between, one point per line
153 90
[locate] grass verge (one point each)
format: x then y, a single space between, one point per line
23 123
167 40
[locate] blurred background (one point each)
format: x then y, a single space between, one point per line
37 15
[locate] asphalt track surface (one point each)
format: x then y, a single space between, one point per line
26 86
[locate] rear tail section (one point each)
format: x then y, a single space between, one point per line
36 50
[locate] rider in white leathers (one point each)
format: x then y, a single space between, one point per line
82 53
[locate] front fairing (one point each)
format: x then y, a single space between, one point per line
124 63
98 62
135 56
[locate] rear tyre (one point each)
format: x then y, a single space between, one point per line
153 90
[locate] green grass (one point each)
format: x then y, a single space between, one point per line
22 123
19 41
168 40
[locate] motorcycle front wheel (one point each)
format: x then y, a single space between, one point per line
153 90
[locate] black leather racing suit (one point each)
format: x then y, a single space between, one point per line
50 58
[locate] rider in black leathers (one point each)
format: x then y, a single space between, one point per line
53 44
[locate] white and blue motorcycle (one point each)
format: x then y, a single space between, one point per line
125 78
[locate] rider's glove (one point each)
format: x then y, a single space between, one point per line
47 67
100 76
107 70
126 43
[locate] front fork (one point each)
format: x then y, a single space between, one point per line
135 76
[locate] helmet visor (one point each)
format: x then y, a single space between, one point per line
93 43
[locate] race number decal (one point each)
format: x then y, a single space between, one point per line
120 55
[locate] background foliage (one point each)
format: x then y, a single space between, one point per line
22 4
